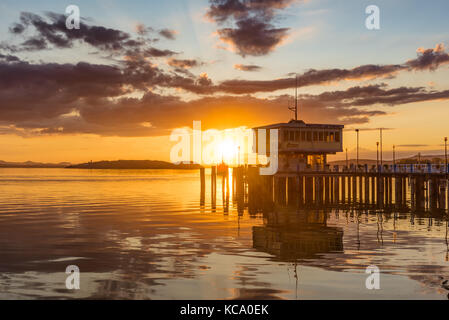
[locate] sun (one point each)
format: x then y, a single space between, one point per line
228 151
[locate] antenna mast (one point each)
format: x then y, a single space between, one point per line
296 97
295 108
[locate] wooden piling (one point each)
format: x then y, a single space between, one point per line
213 191
203 185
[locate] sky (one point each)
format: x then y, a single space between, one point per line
136 70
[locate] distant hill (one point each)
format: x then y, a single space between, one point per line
30 164
353 161
133 164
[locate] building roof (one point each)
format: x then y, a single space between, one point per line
300 124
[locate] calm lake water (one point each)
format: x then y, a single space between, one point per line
144 234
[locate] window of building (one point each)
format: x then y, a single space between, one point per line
285 135
321 136
309 135
315 136
337 136
331 137
297 133
303 136
326 136
292 135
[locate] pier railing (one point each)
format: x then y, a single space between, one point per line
422 186
397 168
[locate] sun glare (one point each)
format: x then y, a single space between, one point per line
228 151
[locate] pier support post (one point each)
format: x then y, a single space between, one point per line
280 190
354 189
397 191
327 183
292 190
366 200
360 178
419 189
336 190
390 190
300 189
433 193
319 188
203 185
213 187
442 194
309 189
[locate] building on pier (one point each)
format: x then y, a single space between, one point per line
302 145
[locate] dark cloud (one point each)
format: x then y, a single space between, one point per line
52 30
429 59
311 77
34 44
9 58
168 34
154 52
252 37
155 114
183 64
247 67
377 95
254 32
36 92
17 28
223 10
87 98
52 98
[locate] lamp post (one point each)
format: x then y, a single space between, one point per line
445 153
381 158
377 159
394 158
347 161
357 130
394 155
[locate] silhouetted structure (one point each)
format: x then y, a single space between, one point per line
304 145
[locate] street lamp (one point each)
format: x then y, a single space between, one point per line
347 163
445 152
394 155
377 159
357 130
381 158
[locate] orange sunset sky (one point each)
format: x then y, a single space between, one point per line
118 86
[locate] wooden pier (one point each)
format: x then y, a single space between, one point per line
389 188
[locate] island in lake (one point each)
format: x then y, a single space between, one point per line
133 164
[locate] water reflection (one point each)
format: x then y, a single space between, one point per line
292 235
149 235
